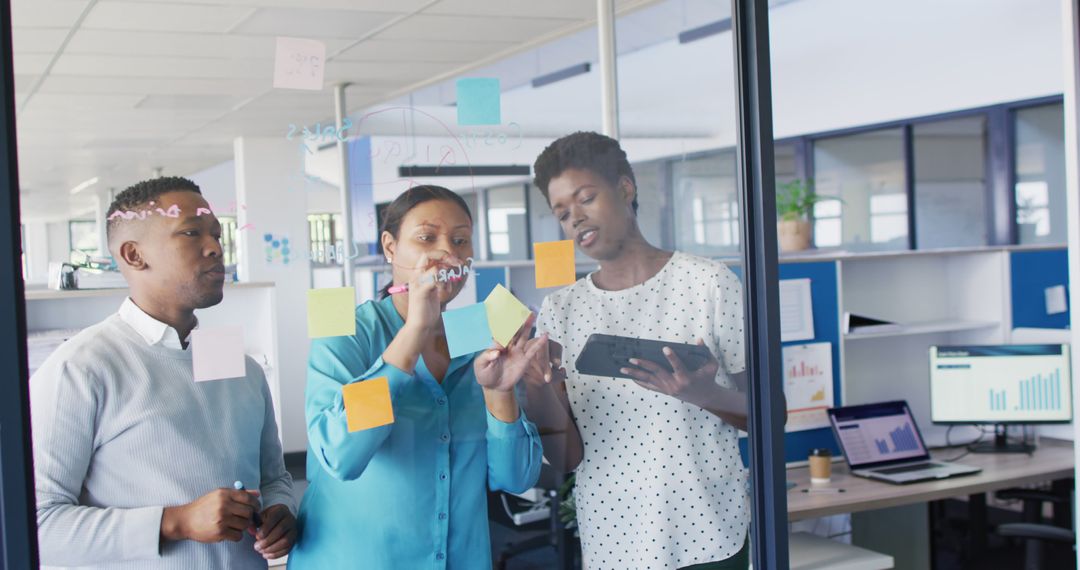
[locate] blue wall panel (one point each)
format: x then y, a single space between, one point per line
1031 273
824 293
486 280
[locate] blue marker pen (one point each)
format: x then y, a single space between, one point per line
239 486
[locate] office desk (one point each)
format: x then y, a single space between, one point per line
1053 459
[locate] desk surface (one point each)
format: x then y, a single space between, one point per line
1052 460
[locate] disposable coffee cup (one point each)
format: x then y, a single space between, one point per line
820 465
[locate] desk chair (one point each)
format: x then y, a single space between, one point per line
554 534
1034 531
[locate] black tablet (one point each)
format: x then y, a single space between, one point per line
605 354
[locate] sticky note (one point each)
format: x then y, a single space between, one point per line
554 263
299 64
217 353
467 330
367 404
1055 300
505 314
478 101
331 312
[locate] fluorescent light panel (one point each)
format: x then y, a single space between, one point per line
579 69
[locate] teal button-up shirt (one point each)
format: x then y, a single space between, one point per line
412 494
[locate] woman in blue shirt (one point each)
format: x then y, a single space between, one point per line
413 494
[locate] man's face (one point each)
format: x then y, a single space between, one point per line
180 257
592 212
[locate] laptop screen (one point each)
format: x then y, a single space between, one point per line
873 434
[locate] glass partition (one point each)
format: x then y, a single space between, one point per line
865 172
951 204
380 278
1040 175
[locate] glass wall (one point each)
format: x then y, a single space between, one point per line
866 172
83 236
1040 174
507 223
707 204
952 208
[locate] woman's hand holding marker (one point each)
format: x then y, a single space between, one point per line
425 309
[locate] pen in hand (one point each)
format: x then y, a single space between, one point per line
256 519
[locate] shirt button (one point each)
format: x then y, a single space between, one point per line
442 476
440 556
441 401
442 516
445 437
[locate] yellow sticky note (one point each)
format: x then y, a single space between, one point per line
331 312
505 314
554 263
367 404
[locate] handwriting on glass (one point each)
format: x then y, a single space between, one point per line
172 212
320 132
452 274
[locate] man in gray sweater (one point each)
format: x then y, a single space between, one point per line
134 461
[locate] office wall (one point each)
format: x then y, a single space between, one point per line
59 242
36 249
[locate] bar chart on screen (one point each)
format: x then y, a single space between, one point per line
1020 383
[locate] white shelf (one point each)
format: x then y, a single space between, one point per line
928 327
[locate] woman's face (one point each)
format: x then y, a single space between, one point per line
438 228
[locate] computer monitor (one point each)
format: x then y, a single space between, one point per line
1001 384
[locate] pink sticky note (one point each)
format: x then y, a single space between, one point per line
218 353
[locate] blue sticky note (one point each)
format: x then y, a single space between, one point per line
478 101
467 330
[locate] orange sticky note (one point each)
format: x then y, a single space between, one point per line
367 404
554 263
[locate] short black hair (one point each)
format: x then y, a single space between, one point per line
141 194
585 150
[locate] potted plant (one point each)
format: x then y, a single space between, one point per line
794 203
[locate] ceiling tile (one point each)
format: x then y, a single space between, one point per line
163 67
86 102
24 82
231 46
464 28
188 102
37 40
365 73
562 9
307 23
162 86
394 7
164 17
31 64
46 13
420 50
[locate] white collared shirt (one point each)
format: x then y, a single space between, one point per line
152 330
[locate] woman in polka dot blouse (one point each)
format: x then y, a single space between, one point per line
660 482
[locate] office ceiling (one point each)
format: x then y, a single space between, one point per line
115 89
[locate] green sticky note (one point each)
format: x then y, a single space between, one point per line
331 312
505 314
478 101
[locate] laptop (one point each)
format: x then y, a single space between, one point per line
881 441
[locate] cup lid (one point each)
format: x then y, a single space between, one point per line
821 452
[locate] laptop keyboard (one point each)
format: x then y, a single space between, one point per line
906 468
